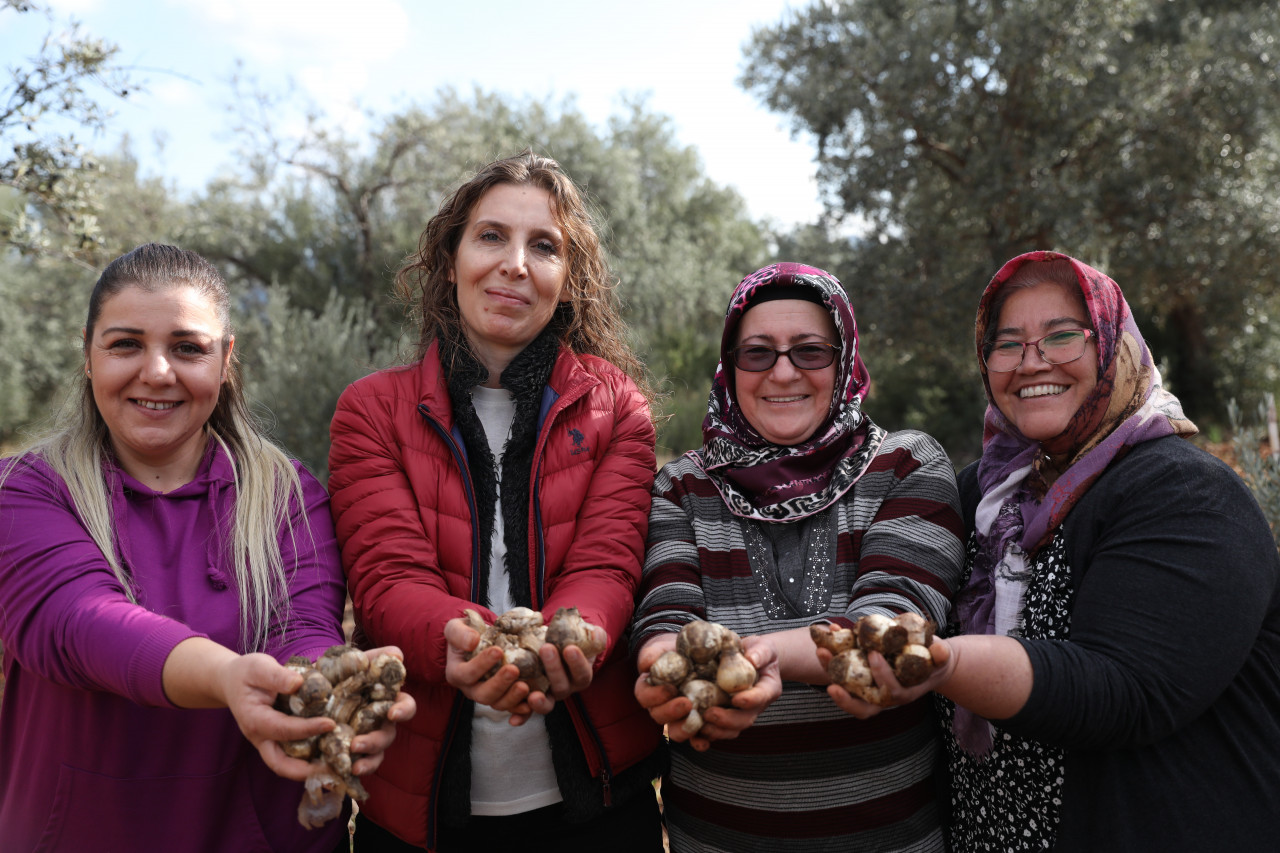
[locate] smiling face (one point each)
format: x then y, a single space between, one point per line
156 361
1040 398
784 404
510 270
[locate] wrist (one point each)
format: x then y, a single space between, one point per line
195 673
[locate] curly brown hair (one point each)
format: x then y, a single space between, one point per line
594 325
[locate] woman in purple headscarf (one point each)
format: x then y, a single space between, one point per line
797 509
1117 684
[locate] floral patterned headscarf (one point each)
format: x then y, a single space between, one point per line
769 482
1020 510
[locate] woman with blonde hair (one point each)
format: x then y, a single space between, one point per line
158 554
508 466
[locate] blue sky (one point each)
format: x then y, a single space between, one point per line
685 55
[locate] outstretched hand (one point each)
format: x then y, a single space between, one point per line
668 708
199 673
249 684
894 693
504 691
569 673
664 704
727 723
371 746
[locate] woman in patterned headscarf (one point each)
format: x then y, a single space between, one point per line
797 509
1117 686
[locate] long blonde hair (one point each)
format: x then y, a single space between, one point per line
595 325
265 480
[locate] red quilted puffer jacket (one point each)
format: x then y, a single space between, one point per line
404 510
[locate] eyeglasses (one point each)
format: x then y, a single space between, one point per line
1061 347
757 358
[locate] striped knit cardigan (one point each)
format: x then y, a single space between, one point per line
807 776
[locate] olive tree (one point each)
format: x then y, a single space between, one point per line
1138 135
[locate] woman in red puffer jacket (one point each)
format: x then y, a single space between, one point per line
510 466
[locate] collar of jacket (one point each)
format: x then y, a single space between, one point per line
525 377
570 379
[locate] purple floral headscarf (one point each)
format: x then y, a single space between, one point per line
771 482
1020 510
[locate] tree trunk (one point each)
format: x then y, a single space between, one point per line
1193 375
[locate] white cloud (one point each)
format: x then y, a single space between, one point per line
172 92
374 55
338 86
293 32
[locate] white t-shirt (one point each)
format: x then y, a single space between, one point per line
500 785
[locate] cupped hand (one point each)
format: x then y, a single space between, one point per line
569 673
668 708
663 702
249 684
893 693
371 746
747 705
504 691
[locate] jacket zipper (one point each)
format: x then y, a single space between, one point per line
606 775
540 573
456 712
461 461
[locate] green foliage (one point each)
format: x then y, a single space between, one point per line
1252 360
52 172
296 363
1139 135
678 243
685 408
311 228
44 296
315 216
1261 471
906 394
40 325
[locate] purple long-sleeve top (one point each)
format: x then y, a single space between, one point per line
93 755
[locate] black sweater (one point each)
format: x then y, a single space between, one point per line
1167 696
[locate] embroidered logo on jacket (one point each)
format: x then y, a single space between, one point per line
578 446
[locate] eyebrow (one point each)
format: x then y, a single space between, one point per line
554 233
793 338
176 333
1056 321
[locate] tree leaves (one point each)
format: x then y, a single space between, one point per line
51 172
1134 134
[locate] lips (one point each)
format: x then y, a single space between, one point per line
794 399
506 297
